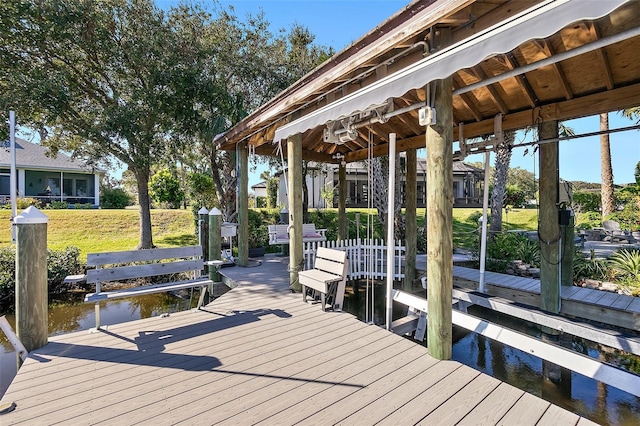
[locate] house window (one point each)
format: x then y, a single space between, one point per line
53 186
5 183
67 187
81 188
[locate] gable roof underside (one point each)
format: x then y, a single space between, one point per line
529 60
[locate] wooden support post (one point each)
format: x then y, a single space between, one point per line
549 229
343 224
32 319
215 241
203 234
243 204
439 140
294 176
411 221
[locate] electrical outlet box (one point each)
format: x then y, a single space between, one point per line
564 217
427 116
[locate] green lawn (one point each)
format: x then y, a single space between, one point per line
111 230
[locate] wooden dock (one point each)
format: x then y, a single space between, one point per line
258 354
618 310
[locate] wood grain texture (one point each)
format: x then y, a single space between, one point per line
256 355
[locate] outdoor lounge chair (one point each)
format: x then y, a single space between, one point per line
613 232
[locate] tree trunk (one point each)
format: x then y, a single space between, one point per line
225 181
500 175
146 237
608 204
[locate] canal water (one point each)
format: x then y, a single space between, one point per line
589 398
596 401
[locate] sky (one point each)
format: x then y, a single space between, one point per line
337 23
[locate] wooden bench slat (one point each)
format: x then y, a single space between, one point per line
132 264
317 280
114 257
328 266
138 271
150 289
334 255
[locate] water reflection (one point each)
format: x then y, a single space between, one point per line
589 398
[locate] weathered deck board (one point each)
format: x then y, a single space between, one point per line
607 299
492 408
610 308
528 410
258 354
457 407
634 306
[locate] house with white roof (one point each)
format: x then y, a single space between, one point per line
48 178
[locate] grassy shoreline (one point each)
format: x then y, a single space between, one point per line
108 230
111 230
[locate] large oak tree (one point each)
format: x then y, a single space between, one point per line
122 79
103 79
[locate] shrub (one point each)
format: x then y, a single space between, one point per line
586 201
59 205
474 218
261 202
589 267
625 265
258 230
629 216
59 265
114 198
588 220
507 247
512 246
7 276
23 203
165 188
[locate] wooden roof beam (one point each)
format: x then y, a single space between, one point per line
409 119
602 57
493 93
584 106
467 98
620 98
562 78
512 64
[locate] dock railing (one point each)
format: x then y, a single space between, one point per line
367 258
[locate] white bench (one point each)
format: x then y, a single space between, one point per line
124 265
328 277
279 234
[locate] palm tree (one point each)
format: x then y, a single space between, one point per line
500 175
632 113
606 171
